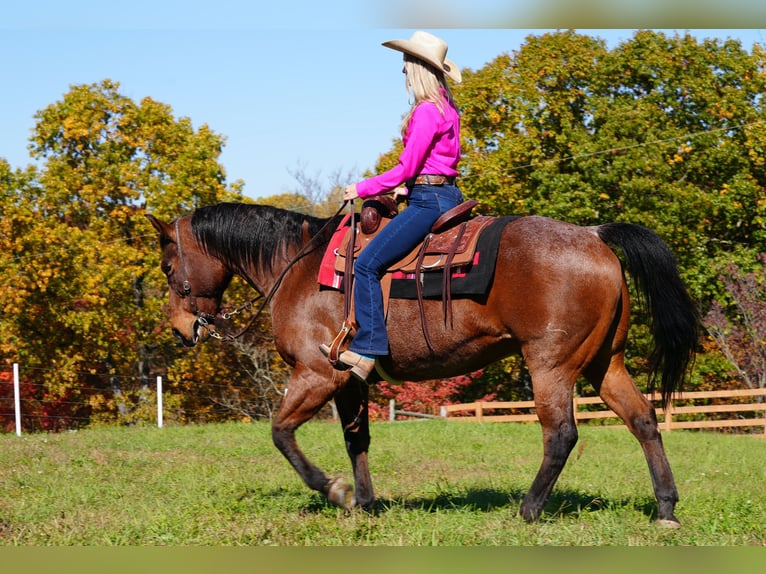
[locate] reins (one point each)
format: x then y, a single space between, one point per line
207 321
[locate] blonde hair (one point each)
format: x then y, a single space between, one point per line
425 83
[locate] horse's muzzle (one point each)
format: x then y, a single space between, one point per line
185 341
198 333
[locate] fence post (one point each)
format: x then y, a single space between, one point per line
575 407
17 398
391 410
668 415
159 402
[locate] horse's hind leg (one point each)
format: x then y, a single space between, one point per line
553 403
307 393
351 401
622 396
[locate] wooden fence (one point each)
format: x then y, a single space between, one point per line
682 413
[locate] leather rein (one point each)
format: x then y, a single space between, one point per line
207 321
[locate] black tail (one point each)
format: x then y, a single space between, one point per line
675 320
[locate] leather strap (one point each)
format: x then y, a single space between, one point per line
348 298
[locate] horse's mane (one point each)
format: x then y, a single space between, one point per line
242 235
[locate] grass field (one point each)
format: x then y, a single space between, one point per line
437 483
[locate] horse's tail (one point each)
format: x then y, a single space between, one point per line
674 318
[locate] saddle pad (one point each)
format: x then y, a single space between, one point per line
468 280
471 279
328 277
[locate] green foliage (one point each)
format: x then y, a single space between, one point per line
666 132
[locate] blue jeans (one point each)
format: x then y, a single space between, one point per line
397 239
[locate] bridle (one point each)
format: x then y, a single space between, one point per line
206 320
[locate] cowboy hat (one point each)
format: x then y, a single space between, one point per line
430 49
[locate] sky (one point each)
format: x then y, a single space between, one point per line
296 85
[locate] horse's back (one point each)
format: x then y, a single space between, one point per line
554 282
539 255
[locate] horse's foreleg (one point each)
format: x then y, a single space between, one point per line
622 396
553 404
307 394
351 401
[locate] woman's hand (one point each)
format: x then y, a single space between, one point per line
350 192
400 194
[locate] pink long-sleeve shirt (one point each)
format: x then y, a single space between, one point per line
431 146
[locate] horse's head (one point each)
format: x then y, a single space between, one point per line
196 280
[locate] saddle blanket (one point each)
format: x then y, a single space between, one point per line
467 280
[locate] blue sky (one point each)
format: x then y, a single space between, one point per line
305 85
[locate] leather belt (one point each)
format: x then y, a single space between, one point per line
429 179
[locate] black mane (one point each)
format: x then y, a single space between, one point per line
242 235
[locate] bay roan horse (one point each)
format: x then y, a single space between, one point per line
558 297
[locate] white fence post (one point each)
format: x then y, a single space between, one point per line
17 398
159 402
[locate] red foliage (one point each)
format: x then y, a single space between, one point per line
422 397
40 411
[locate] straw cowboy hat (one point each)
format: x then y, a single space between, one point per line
430 49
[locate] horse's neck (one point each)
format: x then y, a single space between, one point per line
294 271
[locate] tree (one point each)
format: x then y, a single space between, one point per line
315 194
525 116
738 324
87 293
663 131
696 175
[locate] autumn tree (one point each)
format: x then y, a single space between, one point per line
84 294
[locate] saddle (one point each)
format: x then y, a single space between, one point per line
450 244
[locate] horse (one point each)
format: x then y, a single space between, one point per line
559 297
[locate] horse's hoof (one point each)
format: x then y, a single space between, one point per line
340 493
530 514
669 523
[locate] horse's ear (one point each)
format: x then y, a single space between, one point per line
305 229
162 228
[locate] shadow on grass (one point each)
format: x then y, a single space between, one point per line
561 503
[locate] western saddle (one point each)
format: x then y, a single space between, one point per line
450 243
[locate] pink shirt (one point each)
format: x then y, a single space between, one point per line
431 145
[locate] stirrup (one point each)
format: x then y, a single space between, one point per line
333 350
361 367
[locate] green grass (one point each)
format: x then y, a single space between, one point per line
437 483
